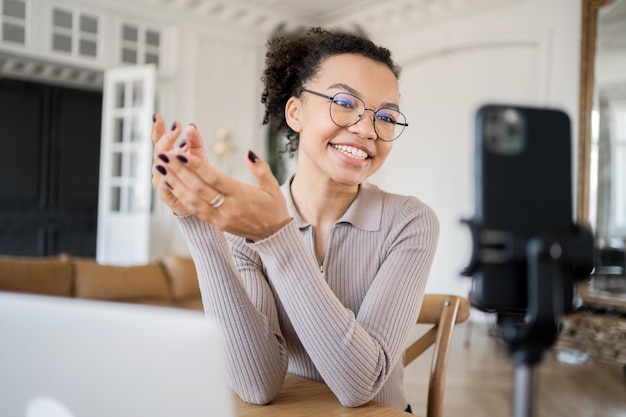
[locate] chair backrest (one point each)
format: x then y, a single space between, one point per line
443 312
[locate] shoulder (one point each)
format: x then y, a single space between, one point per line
400 211
406 222
402 205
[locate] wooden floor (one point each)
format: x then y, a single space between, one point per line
480 382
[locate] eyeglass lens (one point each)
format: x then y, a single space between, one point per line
346 110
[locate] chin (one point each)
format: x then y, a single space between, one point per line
349 180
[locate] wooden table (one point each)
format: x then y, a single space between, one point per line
301 397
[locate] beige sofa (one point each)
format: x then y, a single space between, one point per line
171 281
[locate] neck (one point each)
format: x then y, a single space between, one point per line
321 202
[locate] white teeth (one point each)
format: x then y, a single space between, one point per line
351 151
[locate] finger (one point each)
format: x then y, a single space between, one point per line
165 192
196 172
187 194
263 173
199 177
193 140
158 171
164 137
157 127
161 185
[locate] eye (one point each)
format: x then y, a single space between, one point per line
387 116
345 100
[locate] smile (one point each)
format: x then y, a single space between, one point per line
351 151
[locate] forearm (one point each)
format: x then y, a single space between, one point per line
353 354
257 359
350 360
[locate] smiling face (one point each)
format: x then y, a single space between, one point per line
343 155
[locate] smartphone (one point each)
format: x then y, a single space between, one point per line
523 188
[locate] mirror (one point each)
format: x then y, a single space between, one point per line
602 147
602 142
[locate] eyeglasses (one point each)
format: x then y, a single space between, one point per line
347 110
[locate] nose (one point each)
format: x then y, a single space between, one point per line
365 126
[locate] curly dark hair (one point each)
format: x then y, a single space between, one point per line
290 63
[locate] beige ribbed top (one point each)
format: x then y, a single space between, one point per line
343 323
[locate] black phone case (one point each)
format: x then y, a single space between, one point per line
523 188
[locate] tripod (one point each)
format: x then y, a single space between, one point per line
530 339
553 262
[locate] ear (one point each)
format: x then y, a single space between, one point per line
292 114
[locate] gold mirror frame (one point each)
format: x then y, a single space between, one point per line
587 67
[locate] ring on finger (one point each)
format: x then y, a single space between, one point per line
217 201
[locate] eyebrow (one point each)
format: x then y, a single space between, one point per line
352 91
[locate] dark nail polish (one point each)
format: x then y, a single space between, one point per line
164 158
168 185
174 126
252 157
181 159
161 169
182 143
154 118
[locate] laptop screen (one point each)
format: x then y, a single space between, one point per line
62 357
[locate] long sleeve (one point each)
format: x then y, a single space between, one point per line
346 326
353 320
245 309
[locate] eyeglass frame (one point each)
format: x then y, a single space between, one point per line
332 100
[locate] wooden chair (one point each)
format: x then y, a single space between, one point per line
442 311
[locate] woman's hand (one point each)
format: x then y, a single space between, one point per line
164 140
190 185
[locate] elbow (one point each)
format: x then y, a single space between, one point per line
257 391
356 390
259 396
258 383
256 399
352 400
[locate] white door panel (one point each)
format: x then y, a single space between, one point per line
124 210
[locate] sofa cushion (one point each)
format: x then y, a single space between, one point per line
183 277
189 303
41 275
121 283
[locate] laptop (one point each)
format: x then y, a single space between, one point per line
63 357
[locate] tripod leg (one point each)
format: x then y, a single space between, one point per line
523 395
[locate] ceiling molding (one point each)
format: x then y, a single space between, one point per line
267 16
401 15
37 70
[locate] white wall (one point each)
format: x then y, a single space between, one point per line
523 52
518 51
218 87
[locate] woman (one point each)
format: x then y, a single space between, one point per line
324 276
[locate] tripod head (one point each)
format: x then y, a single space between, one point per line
553 262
